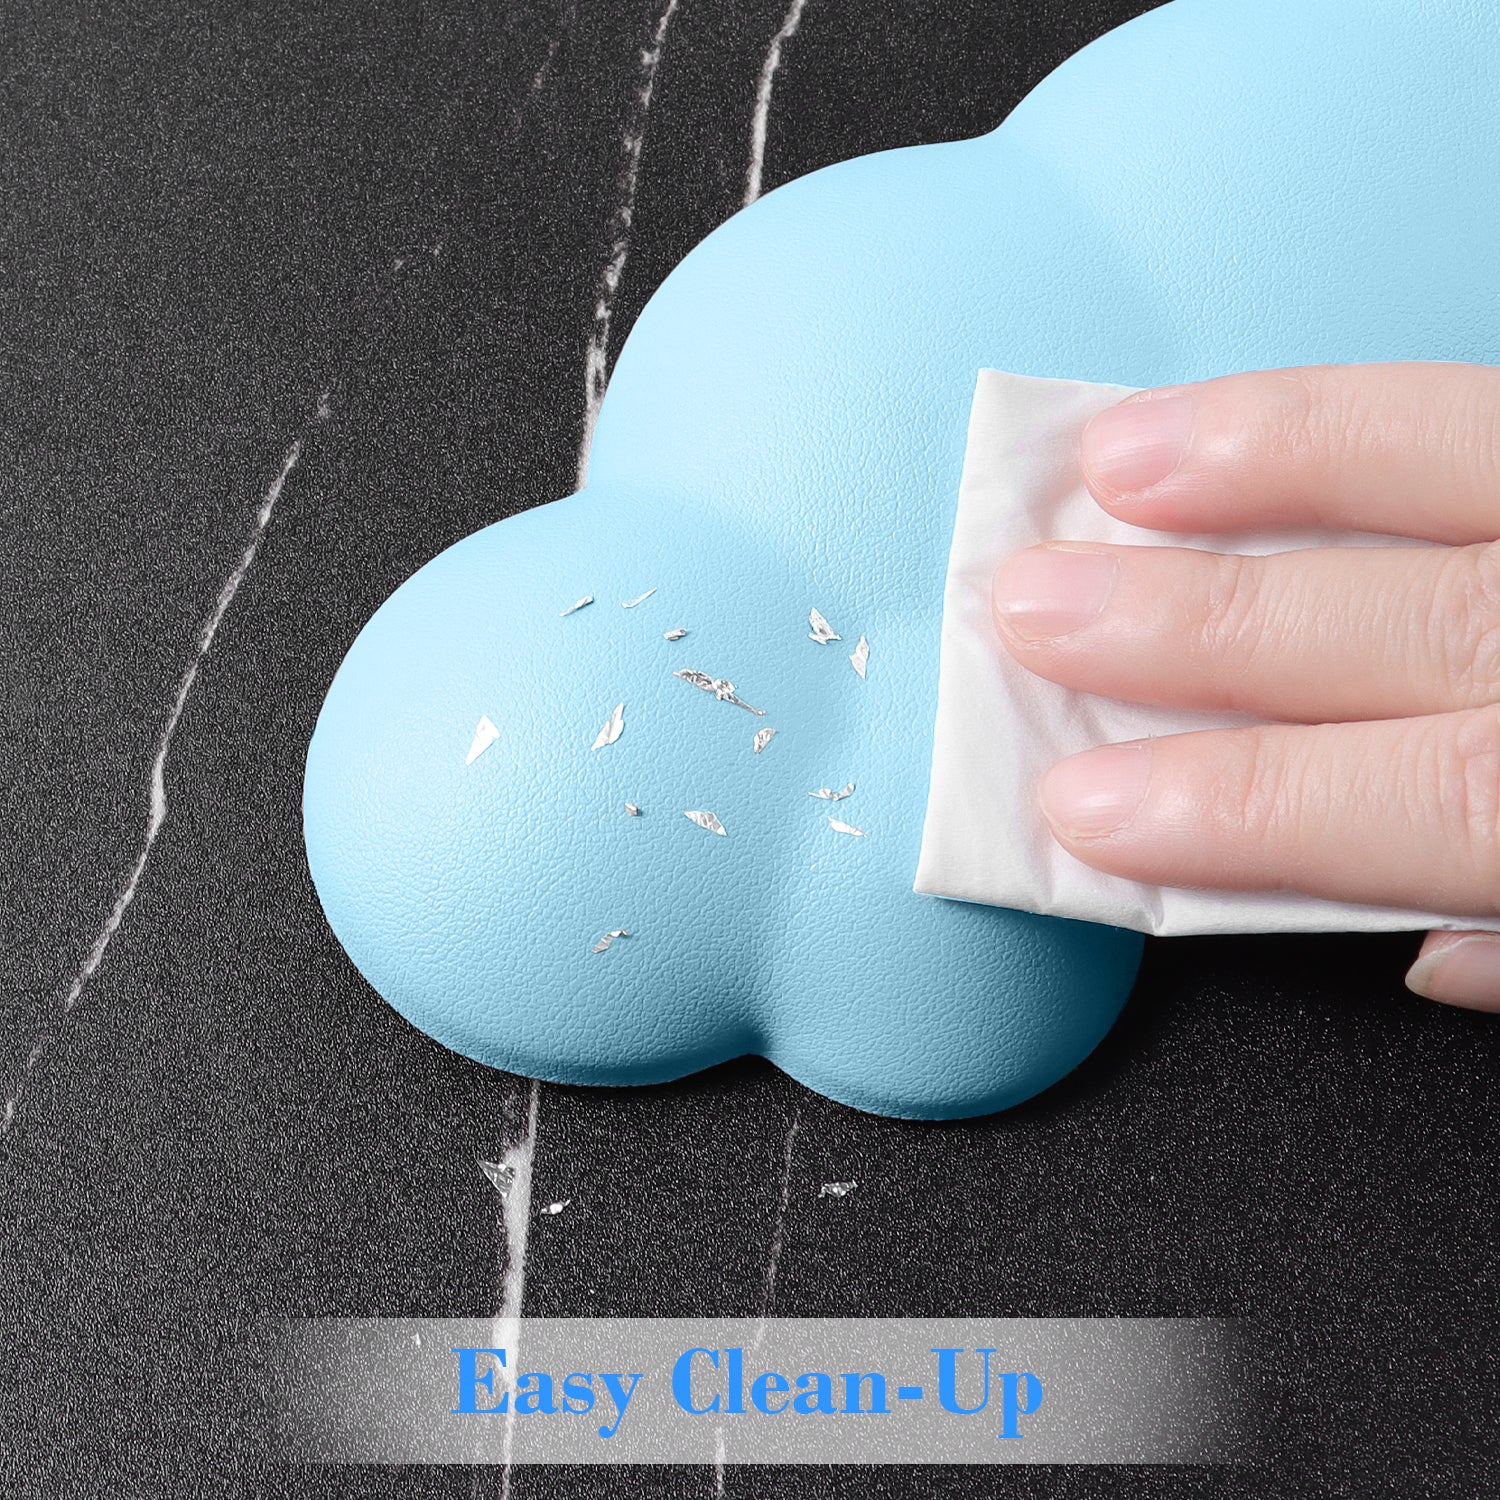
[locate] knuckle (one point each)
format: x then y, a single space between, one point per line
1352 431
1322 426
1467 778
1258 793
1468 626
1474 426
1300 421
1316 420
1226 632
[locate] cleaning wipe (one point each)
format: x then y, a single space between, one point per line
999 727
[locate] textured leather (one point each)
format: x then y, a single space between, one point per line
1214 186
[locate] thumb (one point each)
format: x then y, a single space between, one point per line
1459 968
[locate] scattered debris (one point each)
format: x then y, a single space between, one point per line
632 810
553 1209
859 658
484 736
613 726
831 796
838 827
676 633
609 937
718 686
763 737
587 599
706 820
837 1189
631 603
502 1177
822 632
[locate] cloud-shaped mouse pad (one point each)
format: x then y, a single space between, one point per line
1215 186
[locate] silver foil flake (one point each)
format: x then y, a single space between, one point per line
838 827
613 727
502 1177
632 810
822 632
859 658
831 796
484 736
608 938
676 633
722 690
763 737
837 1189
574 608
706 820
553 1209
641 599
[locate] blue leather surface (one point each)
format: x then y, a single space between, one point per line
1214 186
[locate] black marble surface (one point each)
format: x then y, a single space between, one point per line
217 220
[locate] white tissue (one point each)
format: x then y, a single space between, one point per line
1000 727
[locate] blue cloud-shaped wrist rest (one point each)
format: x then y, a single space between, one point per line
1215 186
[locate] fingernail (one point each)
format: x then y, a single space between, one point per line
1090 795
1462 970
1136 444
1050 591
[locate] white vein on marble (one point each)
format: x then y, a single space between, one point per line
515 1223
538 79
762 111
596 358
156 803
778 1231
544 68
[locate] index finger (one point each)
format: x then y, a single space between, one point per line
1407 449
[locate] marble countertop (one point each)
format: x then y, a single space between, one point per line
295 297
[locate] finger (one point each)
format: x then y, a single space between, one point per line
1459 968
1403 812
1317 635
1409 449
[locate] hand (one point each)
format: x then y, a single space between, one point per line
1381 781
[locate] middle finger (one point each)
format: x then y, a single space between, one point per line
1318 635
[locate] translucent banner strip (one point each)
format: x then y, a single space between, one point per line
779 1390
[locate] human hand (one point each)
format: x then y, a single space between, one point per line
1380 782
